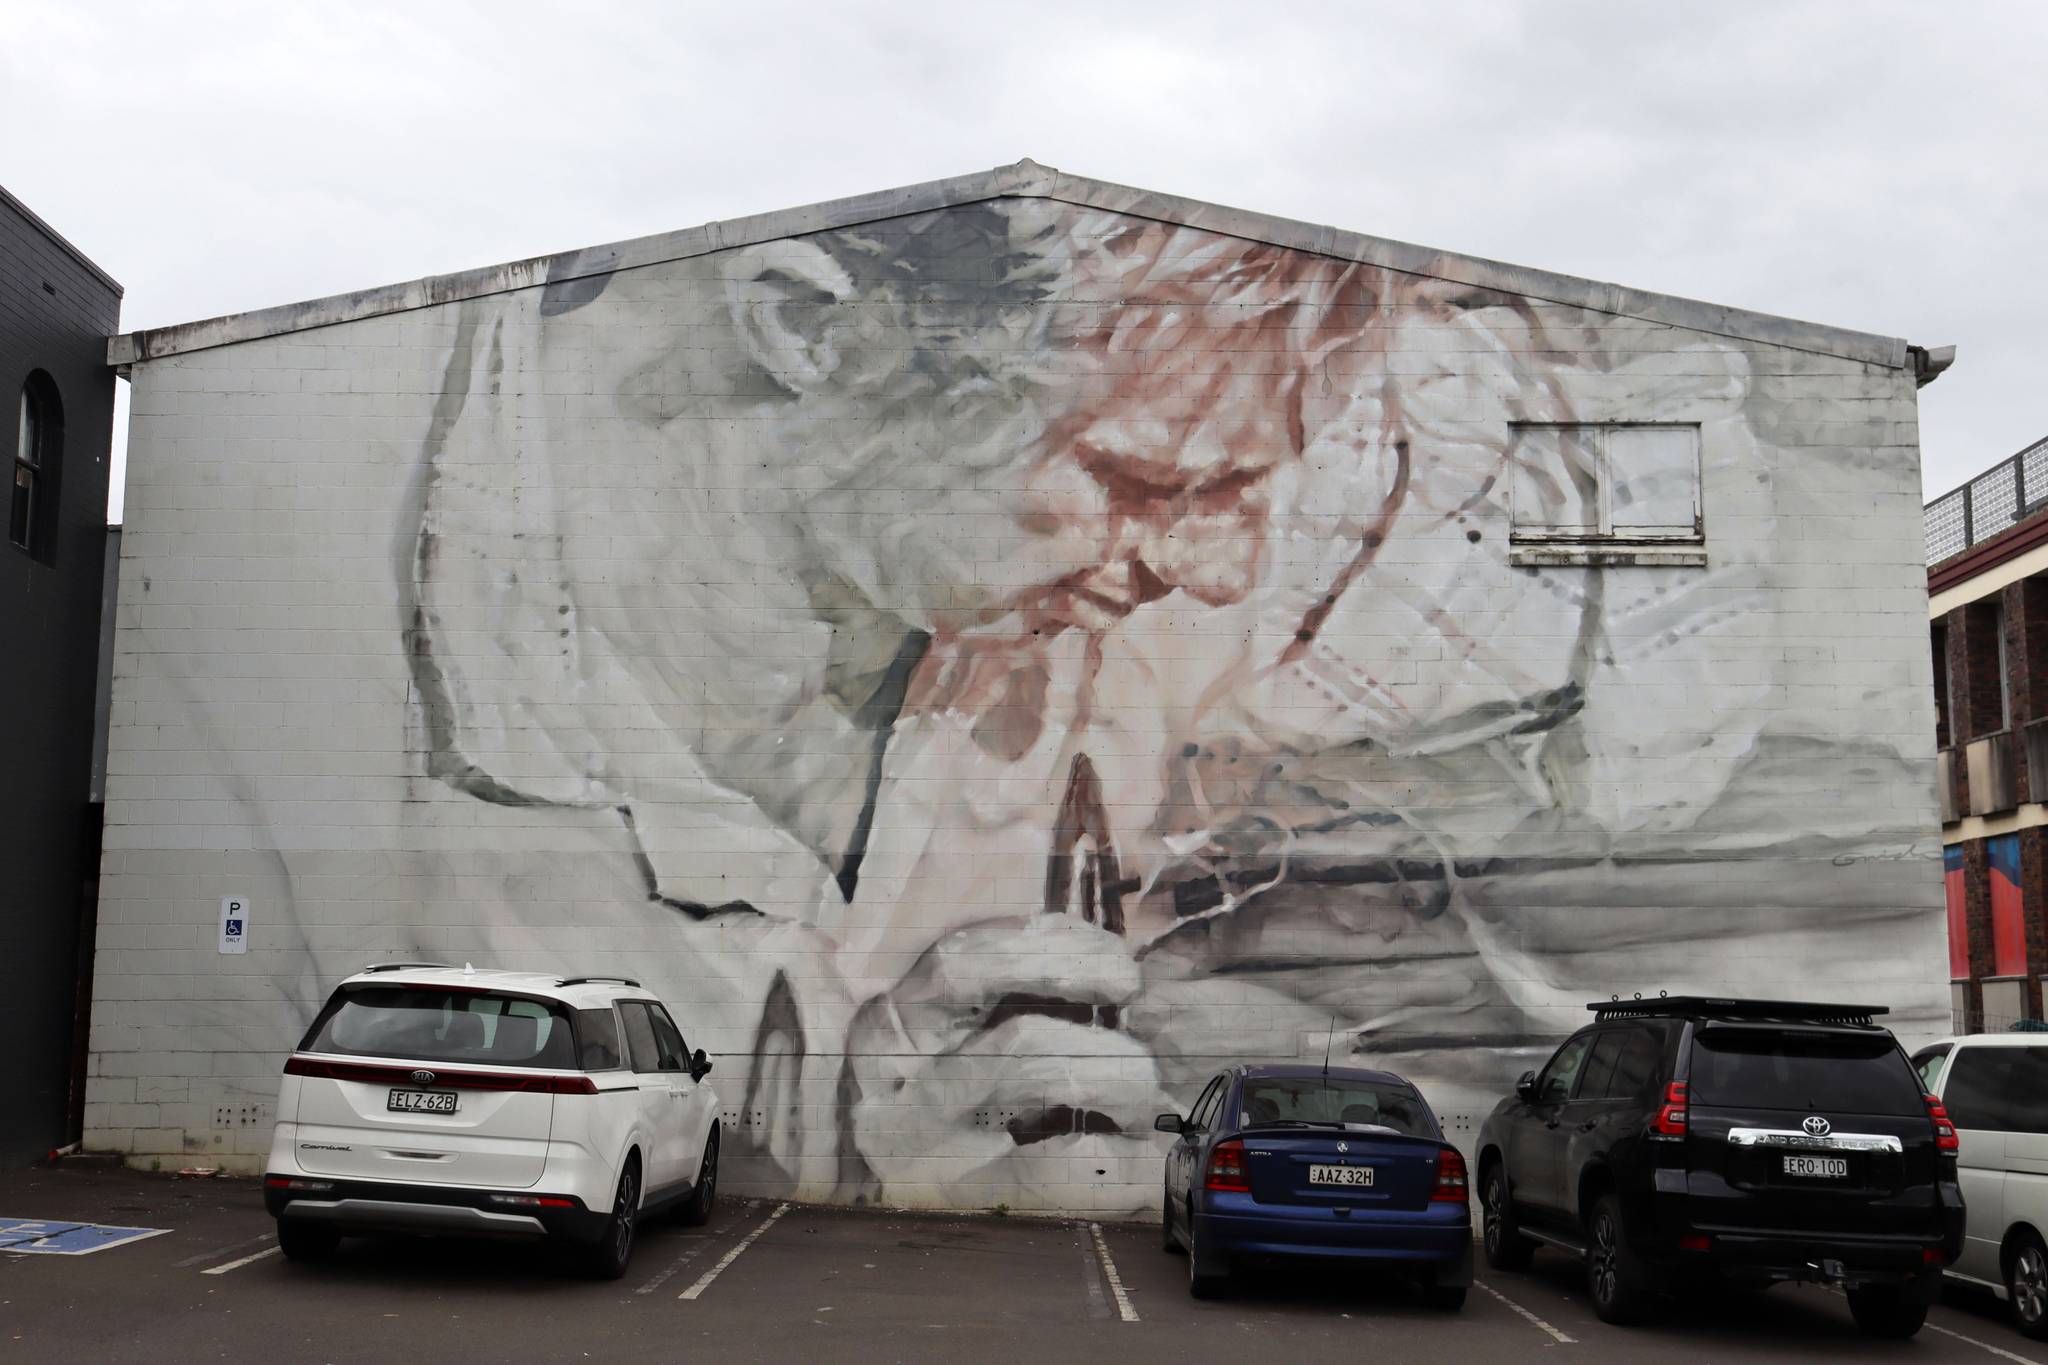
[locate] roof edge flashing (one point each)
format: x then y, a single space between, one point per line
1022 179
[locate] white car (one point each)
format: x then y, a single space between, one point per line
445 1100
1995 1088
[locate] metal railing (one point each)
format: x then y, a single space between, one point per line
2004 495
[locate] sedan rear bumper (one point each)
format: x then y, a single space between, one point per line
1439 1243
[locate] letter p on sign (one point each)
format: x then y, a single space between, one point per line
234 924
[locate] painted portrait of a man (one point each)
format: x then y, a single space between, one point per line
1035 655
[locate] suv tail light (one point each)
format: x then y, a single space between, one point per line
1227 1169
373 1074
1945 1139
1451 1186
1670 1120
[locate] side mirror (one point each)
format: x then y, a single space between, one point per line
1170 1123
1525 1088
700 1065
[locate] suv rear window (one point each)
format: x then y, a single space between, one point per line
1324 1100
1773 1069
428 1024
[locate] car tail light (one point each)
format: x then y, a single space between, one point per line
375 1074
1932 1256
534 1201
1670 1120
1451 1186
1945 1139
1227 1169
288 1182
1695 1241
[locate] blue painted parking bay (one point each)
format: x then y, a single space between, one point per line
51 1237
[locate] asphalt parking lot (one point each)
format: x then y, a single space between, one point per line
774 1282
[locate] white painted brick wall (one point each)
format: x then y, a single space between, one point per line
1743 804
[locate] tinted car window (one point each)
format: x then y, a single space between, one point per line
1636 1067
1211 1101
1557 1079
640 1043
597 1039
421 1023
2026 1090
1978 1094
1288 1100
1772 1069
1599 1068
668 1038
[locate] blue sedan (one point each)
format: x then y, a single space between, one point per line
1317 1162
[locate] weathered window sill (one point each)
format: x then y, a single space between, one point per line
1608 556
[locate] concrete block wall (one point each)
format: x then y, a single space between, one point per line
990 668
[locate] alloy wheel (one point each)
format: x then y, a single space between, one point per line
1603 1257
707 1178
1491 1200
2030 1285
624 1210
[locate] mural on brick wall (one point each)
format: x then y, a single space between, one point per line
1035 656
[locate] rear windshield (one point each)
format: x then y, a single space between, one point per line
1767 1069
427 1024
1318 1100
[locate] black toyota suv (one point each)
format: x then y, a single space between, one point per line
1681 1139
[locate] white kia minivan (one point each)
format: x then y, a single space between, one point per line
457 1102
1995 1087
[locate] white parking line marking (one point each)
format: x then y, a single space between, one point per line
218 1252
1560 1337
1984 1345
704 1282
246 1260
703 1245
1116 1284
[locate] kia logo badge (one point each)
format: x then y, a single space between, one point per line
1816 1126
427 1078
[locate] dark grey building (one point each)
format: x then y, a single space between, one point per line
56 310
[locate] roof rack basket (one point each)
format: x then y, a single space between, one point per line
1724 1008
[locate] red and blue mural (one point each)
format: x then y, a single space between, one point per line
2008 915
1958 913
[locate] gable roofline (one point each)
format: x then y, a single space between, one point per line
1025 179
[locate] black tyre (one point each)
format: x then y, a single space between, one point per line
1881 1312
1614 1280
1203 1282
1445 1298
1506 1248
608 1257
697 1209
2026 1284
306 1241
1166 1238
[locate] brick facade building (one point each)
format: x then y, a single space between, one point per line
1987 584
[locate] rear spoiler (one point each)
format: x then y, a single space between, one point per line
1715 1007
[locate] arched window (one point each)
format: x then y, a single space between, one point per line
39 433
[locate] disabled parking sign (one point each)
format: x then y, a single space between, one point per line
234 924
52 1237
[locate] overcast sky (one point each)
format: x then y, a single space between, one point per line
1878 166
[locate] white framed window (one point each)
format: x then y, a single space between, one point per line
1601 485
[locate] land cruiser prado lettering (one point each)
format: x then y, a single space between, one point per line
1686 1139
448 1101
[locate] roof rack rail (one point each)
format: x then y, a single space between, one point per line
1725 1008
586 980
396 966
